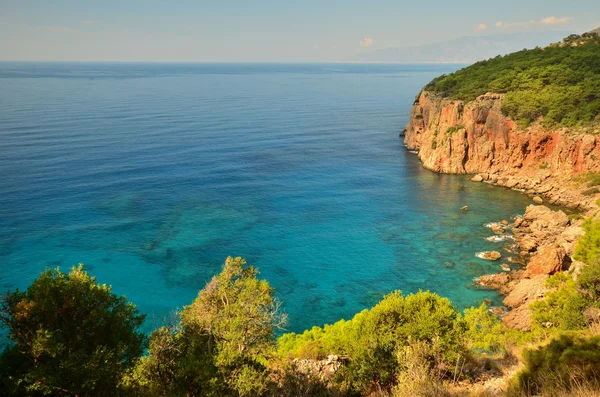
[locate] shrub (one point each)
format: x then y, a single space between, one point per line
563 308
564 364
588 247
592 178
373 337
417 376
575 216
485 332
454 129
70 336
591 191
589 281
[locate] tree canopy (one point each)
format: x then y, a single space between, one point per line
559 83
223 342
70 336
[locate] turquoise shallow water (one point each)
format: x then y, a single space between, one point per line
152 174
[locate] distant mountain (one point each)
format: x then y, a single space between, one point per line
596 31
463 50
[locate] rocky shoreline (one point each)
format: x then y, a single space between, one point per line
546 241
476 138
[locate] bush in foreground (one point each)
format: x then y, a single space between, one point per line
565 364
373 338
222 344
70 337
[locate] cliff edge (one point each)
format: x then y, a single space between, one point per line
452 136
528 120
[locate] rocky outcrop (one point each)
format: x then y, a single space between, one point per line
490 255
526 291
519 318
493 281
476 138
546 240
546 233
549 260
324 370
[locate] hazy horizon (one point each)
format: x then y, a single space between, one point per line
264 31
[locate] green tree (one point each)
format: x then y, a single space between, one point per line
70 337
223 343
178 364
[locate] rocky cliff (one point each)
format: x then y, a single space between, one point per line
451 136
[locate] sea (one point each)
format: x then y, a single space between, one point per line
152 174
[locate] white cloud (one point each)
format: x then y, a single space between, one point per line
480 27
550 21
316 47
366 42
556 21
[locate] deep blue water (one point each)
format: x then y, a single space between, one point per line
151 174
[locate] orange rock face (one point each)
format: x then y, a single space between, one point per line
476 138
548 260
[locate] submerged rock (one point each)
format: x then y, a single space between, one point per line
449 265
490 255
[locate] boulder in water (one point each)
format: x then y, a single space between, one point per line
490 255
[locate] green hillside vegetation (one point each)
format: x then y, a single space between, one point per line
559 83
70 336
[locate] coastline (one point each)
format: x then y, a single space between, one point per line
548 166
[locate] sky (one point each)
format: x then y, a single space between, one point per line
263 30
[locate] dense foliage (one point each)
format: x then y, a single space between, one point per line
559 83
574 304
373 338
485 332
565 363
70 337
223 342
73 337
588 248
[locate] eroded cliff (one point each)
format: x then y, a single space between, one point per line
451 136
